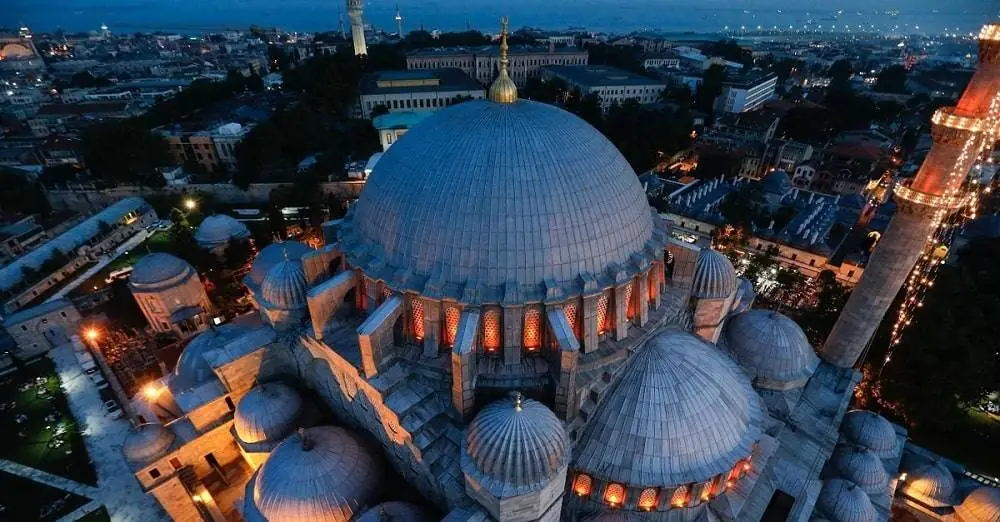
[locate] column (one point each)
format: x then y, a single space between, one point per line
588 316
621 312
432 327
642 297
463 363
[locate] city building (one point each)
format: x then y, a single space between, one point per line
732 131
211 149
393 125
38 329
613 85
482 63
660 60
18 54
423 90
746 93
170 294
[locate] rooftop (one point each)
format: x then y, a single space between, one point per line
494 50
392 82
600 75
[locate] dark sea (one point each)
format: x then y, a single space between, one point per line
619 16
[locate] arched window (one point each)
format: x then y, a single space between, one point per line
648 499
583 485
604 315
680 496
417 318
705 491
572 311
532 337
492 332
614 495
451 317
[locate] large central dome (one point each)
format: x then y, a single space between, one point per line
487 193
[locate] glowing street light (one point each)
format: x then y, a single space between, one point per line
190 204
92 334
152 391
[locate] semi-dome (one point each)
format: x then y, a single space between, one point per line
930 483
714 276
146 443
843 501
323 474
218 230
273 254
682 405
514 446
159 269
488 194
860 466
771 348
267 412
192 369
776 182
982 505
395 511
285 286
870 430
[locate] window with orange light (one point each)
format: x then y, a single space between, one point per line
705 491
532 337
614 495
492 332
648 498
417 318
680 496
651 277
571 311
451 317
582 485
629 305
604 321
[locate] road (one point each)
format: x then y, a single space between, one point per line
104 260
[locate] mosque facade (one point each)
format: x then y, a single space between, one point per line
505 325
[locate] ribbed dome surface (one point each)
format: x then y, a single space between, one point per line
159 268
842 501
218 229
490 193
514 446
681 412
771 348
871 431
285 286
192 369
862 467
327 482
394 511
146 443
267 412
931 483
982 505
273 254
777 182
714 276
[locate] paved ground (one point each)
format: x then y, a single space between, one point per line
116 488
104 260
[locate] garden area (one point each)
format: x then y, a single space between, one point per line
36 426
158 242
26 500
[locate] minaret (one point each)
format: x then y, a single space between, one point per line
959 134
354 8
503 89
340 26
399 22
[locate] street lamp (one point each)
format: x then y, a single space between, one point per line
92 334
152 391
190 204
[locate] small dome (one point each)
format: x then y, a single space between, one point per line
192 369
146 443
842 501
982 505
862 467
930 483
218 229
777 182
267 413
872 431
394 511
771 348
514 446
714 276
682 405
323 475
157 269
285 286
272 255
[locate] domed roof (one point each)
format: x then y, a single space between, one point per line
842 501
931 483
514 446
771 348
146 443
776 182
870 430
324 475
394 511
159 269
267 413
714 276
982 505
272 255
218 229
285 286
680 412
492 193
862 467
192 369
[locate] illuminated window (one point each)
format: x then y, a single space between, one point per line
680 497
604 312
582 485
417 317
629 305
652 285
705 492
571 311
451 316
532 339
491 331
386 293
614 495
718 486
647 499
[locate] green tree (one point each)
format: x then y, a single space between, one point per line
892 79
254 82
710 89
831 296
125 151
742 208
840 75
83 80
20 195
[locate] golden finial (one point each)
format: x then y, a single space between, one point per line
503 89
517 401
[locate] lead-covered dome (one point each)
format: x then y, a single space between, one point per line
192 368
870 430
772 349
285 286
270 256
777 183
930 483
982 505
843 501
323 474
217 230
159 270
681 412
395 511
146 443
714 276
487 194
862 467
514 446
267 413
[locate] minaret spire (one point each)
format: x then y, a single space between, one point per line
399 22
503 89
354 10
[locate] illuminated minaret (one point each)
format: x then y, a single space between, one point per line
340 27
959 133
399 22
354 8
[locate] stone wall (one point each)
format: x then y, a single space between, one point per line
218 441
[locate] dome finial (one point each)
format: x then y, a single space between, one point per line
517 401
307 443
503 89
